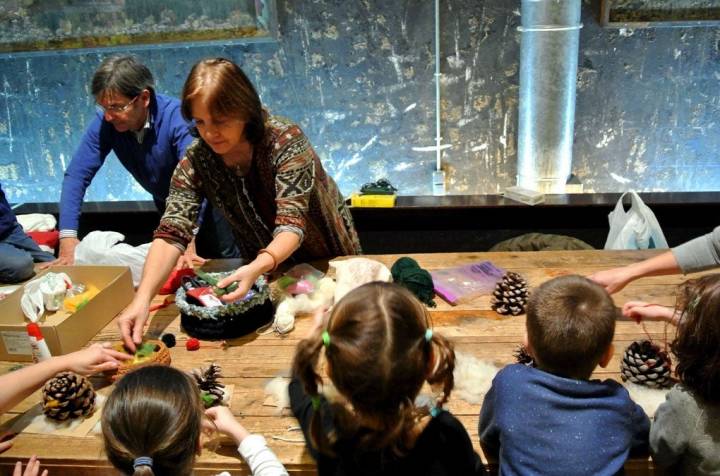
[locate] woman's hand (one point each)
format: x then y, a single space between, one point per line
245 277
640 310
226 423
613 280
132 322
94 359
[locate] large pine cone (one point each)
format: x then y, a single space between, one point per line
68 395
645 364
208 380
510 295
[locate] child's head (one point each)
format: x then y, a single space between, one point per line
570 326
697 344
379 354
154 412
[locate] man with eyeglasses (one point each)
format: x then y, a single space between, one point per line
148 134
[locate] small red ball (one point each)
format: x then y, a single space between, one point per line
192 344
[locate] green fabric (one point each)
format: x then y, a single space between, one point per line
541 242
381 187
408 273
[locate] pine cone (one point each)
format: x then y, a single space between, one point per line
645 364
208 380
522 356
68 395
510 295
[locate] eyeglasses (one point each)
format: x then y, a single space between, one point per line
116 109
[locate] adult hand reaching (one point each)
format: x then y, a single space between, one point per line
132 322
190 258
66 255
245 277
613 280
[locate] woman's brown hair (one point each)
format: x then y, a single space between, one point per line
378 359
228 93
155 412
697 343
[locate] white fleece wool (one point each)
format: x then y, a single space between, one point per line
648 398
473 377
354 272
291 306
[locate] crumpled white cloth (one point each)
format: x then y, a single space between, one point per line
105 248
354 272
37 222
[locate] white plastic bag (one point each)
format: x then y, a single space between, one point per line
635 229
44 293
105 248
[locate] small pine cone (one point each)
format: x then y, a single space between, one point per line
68 395
522 356
510 295
645 364
208 381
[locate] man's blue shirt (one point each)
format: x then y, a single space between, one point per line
151 162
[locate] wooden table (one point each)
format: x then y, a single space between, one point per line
250 362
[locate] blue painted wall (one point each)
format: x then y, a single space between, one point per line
358 76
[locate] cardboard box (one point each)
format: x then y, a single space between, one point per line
65 332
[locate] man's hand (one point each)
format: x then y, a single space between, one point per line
190 258
66 256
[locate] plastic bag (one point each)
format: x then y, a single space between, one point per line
44 293
465 283
105 248
635 229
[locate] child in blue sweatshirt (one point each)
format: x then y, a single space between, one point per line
551 419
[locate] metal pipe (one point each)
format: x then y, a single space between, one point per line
549 49
438 139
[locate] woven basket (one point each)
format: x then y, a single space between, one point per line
159 357
228 321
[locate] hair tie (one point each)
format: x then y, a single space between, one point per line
326 339
315 402
142 461
435 411
428 334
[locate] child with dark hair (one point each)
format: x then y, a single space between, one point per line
379 351
553 412
153 419
685 433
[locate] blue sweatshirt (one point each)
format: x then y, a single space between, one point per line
538 423
7 216
151 162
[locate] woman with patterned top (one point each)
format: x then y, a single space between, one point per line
261 172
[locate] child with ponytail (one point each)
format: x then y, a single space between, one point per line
152 423
685 434
379 350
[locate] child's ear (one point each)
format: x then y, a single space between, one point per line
526 344
607 356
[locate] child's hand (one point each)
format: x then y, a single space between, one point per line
319 318
32 468
94 359
227 424
640 310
